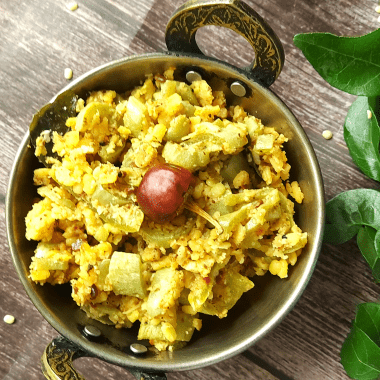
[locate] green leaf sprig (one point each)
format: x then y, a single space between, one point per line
352 64
361 350
362 135
356 212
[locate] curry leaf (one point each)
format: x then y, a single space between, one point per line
368 240
350 210
360 354
362 135
351 64
339 234
368 320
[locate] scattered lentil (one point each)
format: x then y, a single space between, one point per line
369 114
377 9
327 134
68 73
10 319
72 6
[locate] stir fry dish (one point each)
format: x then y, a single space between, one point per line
162 204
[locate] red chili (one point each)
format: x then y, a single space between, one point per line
162 191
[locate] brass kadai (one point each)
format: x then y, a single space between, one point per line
258 312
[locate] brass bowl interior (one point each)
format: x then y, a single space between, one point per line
260 309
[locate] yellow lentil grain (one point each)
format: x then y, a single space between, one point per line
241 179
218 190
68 73
292 258
327 134
169 331
72 6
155 321
198 190
9 319
274 267
101 234
78 189
279 268
284 269
133 317
159 131
89 184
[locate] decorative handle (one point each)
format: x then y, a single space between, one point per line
57 362
237 16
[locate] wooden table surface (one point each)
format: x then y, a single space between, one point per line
39 39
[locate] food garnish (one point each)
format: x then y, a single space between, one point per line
351 64
164 191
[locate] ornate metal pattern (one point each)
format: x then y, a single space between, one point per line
237 16
57 360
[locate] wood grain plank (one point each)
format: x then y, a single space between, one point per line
40 41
